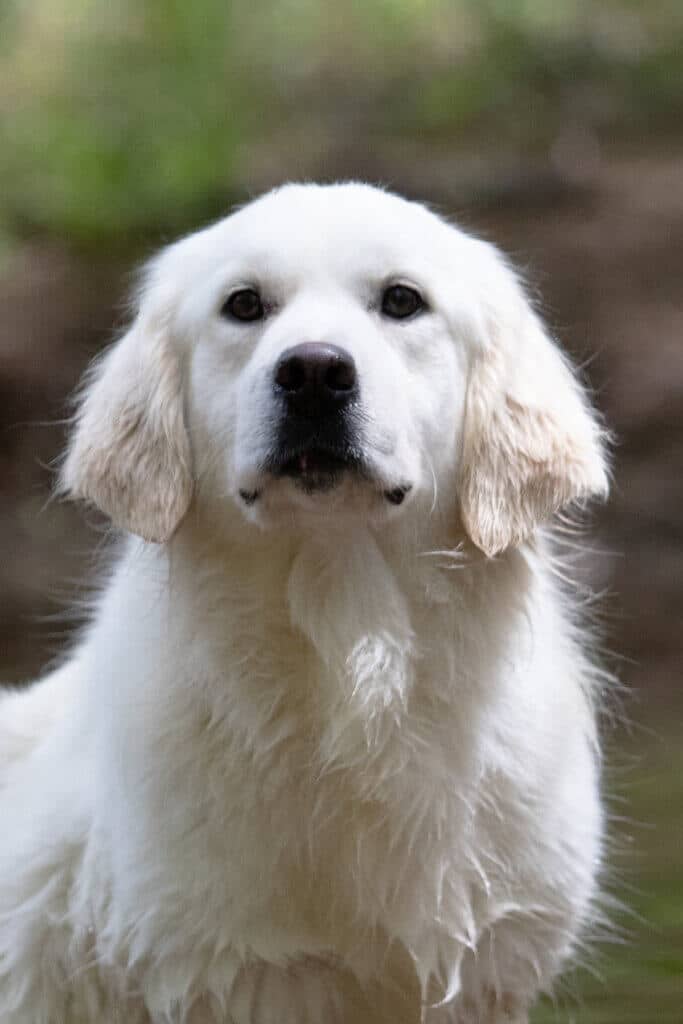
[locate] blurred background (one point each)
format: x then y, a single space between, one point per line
553 127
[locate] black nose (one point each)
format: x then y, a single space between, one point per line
316 379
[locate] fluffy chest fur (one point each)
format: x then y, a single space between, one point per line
338 774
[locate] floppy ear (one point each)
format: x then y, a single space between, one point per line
130 452
531 441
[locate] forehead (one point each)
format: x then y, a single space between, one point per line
342 230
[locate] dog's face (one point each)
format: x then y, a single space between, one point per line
324 372
335 350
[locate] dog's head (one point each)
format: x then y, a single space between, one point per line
335 351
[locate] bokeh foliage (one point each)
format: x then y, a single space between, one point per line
117 118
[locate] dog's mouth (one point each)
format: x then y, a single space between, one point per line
316 469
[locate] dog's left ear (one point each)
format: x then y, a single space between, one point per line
532 443
130 451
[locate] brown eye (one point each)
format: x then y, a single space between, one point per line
399 302
244 304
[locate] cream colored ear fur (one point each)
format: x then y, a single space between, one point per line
130 452
531 442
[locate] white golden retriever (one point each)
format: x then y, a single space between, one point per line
326 752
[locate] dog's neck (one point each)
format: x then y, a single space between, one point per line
344 610
341 591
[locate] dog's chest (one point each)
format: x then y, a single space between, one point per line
321 812
305 779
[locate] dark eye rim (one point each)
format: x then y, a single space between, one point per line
227 311
420 304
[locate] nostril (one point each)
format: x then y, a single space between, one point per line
315 376
340 376
291 374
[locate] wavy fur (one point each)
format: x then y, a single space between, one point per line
316 757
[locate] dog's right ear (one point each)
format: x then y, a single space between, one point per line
129 453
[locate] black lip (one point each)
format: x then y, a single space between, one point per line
316 452
317 461
315 467
397 495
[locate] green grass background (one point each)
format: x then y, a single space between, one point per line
637 978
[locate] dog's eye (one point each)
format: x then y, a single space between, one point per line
244 304
399 302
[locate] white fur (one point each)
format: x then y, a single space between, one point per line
319 758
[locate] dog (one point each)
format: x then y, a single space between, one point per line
327 750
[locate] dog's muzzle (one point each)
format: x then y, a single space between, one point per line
318 434
317 440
